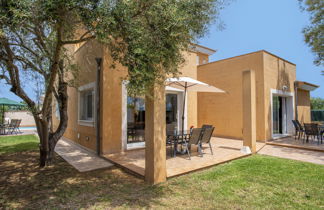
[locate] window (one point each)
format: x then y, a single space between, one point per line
198 60
87 104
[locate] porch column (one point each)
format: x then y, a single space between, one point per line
155 136
249 110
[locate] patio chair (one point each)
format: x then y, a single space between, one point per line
299 130
14 126
206 126
193 139
312 129
205 138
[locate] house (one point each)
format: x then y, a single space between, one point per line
277 92
119 122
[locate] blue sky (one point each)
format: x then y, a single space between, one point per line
272 25
251 25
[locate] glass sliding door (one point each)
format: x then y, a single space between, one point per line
276 112
279 115
136 116
135 119
171 101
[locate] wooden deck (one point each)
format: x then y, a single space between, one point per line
298 144
224 150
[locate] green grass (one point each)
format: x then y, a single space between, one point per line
255 182
12 144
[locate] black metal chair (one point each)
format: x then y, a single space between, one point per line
193 139
299 130
205 138
313 130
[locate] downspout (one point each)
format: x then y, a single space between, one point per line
296 99
98 111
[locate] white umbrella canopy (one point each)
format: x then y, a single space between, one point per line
189 84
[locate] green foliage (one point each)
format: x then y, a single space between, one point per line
317 103
314 33
12 144
147 36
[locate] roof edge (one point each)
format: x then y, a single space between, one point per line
264 51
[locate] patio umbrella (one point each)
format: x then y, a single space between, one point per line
186 84
7 102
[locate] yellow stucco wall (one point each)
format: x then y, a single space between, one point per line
189 69
303 106
277 73
111 98
224 110
85 58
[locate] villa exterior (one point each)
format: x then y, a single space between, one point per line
277 92
125 123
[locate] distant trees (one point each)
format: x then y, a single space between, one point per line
314 33
317 103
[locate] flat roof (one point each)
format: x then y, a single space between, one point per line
202 49
264 51
306 85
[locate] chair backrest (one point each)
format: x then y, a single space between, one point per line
13 123
295 125
18 123
299 125
206 126
195 136
311 129
7 120
207 134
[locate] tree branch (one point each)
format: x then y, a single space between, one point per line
78 40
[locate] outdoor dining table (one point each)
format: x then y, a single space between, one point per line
175 136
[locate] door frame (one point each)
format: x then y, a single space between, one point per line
126 146
287 127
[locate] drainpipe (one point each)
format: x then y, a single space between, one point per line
98 143
296 99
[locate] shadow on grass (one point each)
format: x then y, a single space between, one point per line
24 185
20 147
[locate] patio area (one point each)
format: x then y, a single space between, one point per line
297 143
224 150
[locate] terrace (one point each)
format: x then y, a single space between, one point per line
224 150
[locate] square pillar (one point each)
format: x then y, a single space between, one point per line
249 110
155 136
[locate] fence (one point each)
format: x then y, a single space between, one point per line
317 115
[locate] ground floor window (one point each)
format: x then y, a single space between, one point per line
86 104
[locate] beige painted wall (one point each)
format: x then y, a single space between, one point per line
303 106
26 117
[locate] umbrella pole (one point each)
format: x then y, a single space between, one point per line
183 110
3 109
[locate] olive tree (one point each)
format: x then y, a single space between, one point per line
146 36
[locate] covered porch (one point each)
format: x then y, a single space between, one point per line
224 150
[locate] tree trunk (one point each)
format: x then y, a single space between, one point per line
47 144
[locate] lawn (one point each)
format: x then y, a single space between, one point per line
256 182
11 144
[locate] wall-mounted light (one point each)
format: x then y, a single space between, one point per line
284 88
